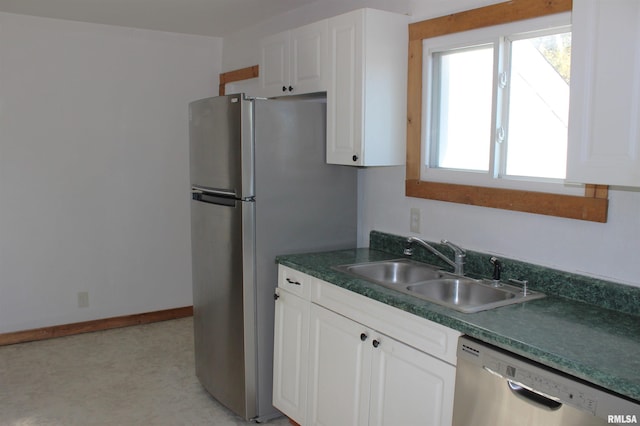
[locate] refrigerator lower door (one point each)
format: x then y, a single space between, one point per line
223 295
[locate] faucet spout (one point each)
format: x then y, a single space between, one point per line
458 264
459 256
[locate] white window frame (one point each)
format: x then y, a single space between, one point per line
486 35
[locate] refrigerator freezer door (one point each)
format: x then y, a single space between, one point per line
221 144
220 311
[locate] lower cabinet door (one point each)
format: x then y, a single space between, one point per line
339 370
409 387
290 354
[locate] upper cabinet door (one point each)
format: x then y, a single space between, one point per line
309 58
604 125
344 96
366 95
294 62
274 64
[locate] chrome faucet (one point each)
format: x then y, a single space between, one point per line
459 254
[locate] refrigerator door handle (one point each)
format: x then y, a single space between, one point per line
195 189
211 197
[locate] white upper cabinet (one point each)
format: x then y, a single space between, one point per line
604 125
294 62
360 60
366 96
274 64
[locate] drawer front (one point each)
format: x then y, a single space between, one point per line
294 281
435 339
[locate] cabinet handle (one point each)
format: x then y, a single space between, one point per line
275 296
354 158
284 88
290 89
290 281
376 343
363 337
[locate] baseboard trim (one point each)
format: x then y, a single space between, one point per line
95 325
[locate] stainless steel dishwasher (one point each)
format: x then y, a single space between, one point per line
495 387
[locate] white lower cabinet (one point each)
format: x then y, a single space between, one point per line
338 359
290 354
409 387
359 376
339 370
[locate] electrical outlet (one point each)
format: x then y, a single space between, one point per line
83 299
414 220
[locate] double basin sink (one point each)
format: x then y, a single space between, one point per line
428 282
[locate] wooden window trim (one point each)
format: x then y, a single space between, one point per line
237 75
591 207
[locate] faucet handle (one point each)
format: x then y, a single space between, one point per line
408 250
459 251
523 283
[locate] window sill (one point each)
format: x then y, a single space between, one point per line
590 208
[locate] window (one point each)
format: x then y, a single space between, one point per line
488 110
498 110
531 96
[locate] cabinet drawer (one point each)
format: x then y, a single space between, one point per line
435 339
294 281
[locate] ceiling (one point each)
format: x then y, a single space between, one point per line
216 18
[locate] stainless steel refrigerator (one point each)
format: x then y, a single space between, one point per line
260 187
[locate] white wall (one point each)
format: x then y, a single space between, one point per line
607 250
94 168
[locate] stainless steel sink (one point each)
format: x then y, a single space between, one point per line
393 272
467 295
429 283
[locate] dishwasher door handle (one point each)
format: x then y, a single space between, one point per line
527 394
533 397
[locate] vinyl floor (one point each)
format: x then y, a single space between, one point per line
141 375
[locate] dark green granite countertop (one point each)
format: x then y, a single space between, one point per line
601 346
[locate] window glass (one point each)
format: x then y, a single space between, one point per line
499 109
538 106
461 120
